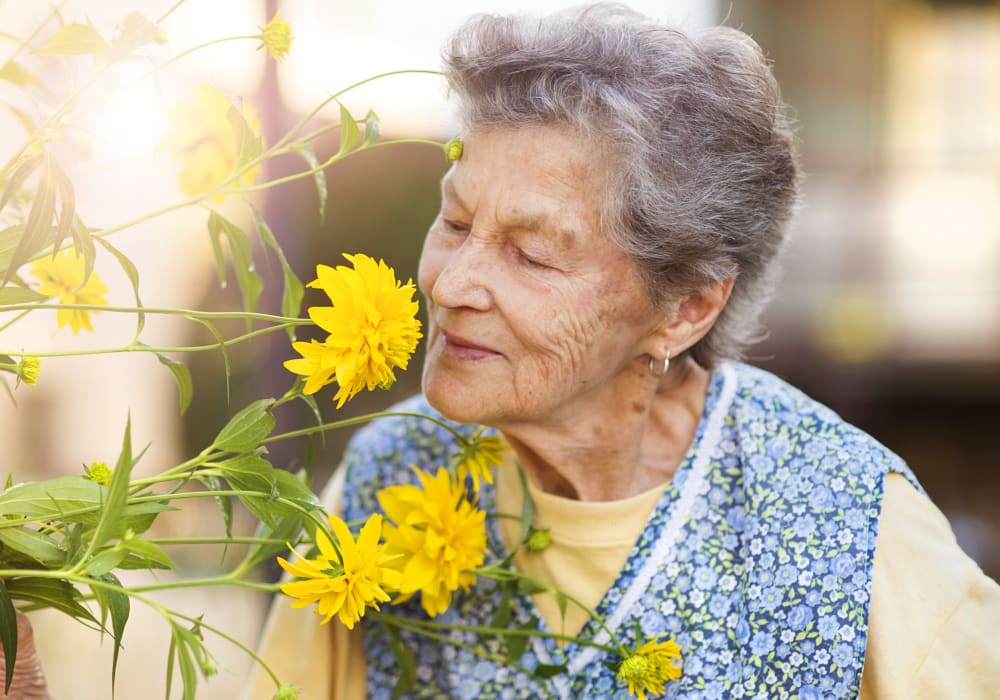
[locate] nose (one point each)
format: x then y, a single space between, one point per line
463 277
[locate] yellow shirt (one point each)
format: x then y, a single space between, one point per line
933 625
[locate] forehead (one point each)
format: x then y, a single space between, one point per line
531 175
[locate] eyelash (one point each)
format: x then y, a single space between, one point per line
457 227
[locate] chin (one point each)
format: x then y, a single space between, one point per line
456 400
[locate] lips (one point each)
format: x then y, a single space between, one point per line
459 346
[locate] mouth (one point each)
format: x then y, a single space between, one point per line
462 348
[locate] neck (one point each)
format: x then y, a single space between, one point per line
627 444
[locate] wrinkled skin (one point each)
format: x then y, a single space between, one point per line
29 680
541 326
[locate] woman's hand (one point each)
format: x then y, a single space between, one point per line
29 681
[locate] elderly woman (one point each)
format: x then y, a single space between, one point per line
606 243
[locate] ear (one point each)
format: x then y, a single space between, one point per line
692 318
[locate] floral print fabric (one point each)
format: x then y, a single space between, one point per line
757 559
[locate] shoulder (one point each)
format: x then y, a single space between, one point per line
934 613
779 419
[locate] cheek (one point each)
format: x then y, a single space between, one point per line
431 264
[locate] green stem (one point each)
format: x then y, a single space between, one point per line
170 311
13 320
316 110
362 419
499 574
215 540
36 31
139 347
164 612
243 189
214 582
188 52
407 623
498 631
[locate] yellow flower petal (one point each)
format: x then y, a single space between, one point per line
371 325
62 275
346 582
438 535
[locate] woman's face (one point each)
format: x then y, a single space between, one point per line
535 314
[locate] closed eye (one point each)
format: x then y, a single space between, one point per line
455 226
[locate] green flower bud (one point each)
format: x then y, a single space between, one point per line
538 540
453 149
286 692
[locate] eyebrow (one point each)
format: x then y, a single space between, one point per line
540 223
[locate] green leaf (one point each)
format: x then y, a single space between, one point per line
515 644
292 488
222 348
561 601
225 503
182 375
26 121
133 277
10 238
248 280
318 175
50 593
349 132
33 544
250 472
19 75
52 499
134 32
149 552
105 561
18 178
8 634
372 128
293 291
406 664
184 641
117 494
76 39
67 215
119 606
545 671
529 587
19 295
245 430
527 509
284 529
38 229
249 143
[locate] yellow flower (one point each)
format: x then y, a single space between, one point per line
346 580
277 37
206 142
99 472
477 457
440 535
62 276
27 370
648 668
372 329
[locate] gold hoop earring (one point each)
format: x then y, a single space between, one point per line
661 371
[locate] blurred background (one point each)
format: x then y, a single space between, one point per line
889 311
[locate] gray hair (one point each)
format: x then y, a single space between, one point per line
704 172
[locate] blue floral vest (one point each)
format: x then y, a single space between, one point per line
757 560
